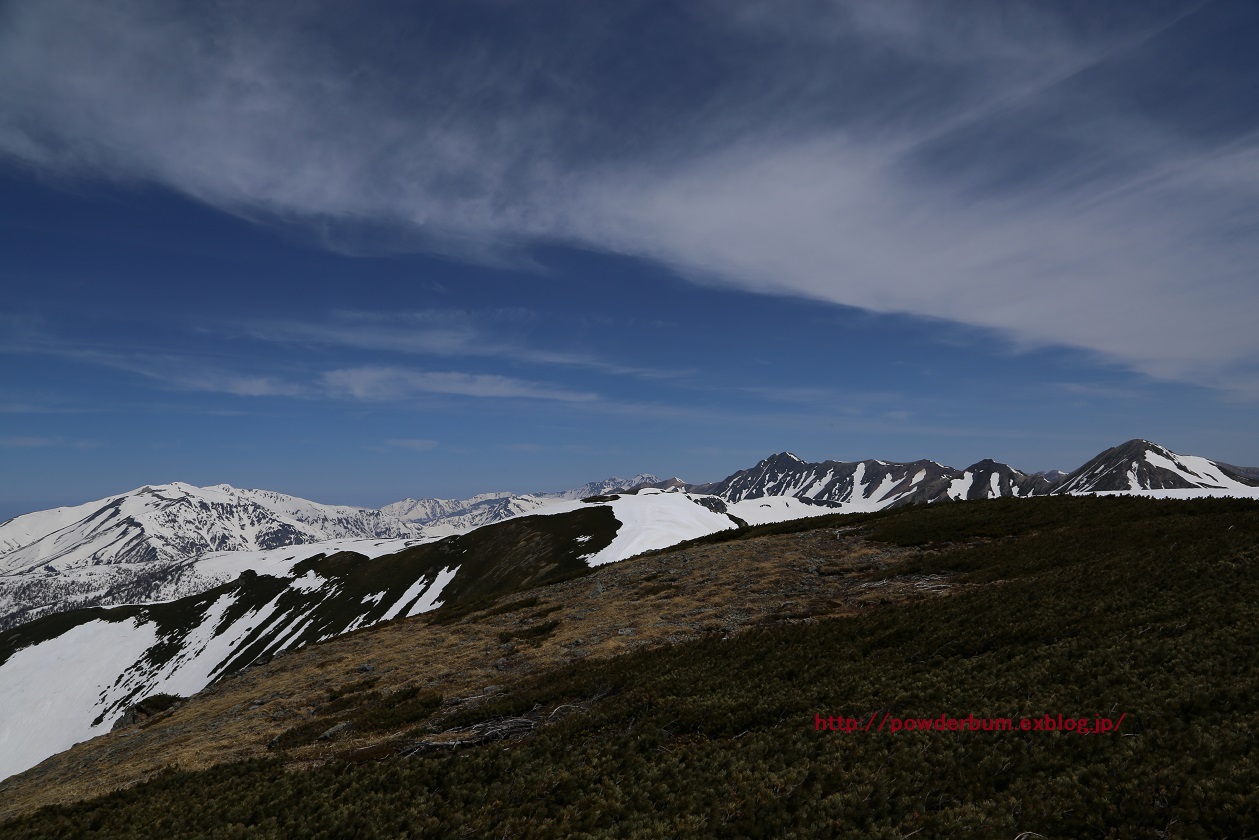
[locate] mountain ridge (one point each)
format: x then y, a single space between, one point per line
136 546
434 511
83 669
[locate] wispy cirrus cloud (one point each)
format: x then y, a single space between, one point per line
412 444
438 332
1000 171
242 378
37 442
380 383
191 373
367 383
1102 390
27 442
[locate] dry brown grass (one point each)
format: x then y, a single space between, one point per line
648 601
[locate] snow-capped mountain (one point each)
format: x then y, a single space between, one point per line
872 485
69 677
136 547
1141 465
135 544
852 486
177 521
449 516
432 510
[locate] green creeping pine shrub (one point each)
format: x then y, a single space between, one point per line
532 633
1138 607
365 712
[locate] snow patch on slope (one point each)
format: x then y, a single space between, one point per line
768 509
650 519
51 692
1197 470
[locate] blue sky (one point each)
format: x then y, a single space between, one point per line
361 252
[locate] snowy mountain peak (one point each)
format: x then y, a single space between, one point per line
164 524
779 461
1138 465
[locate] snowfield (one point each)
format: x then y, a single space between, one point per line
650 519
49 692
76 685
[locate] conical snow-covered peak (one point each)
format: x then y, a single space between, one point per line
778 463
1140 464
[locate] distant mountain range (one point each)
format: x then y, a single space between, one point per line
873 485
245 574
455 515
1137 466
145 545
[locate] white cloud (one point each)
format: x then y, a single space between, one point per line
1138 275
1131 238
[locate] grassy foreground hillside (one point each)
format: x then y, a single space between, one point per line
1082 607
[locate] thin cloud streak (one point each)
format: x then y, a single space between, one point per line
19 442
412 444
1133 238
371 383
435 333
379 383
34 442
186 374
